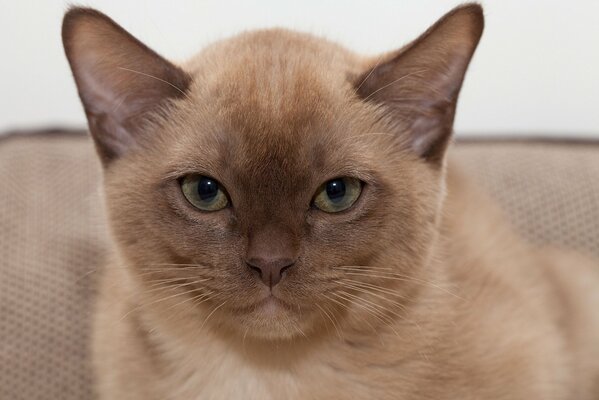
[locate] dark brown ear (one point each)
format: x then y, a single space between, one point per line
119 79
418 86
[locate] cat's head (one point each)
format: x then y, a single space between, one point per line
276 184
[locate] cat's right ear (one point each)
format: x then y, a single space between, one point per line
119 79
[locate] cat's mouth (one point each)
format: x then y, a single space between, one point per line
269 306
271 318
272 305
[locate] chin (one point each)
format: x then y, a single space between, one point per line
272 319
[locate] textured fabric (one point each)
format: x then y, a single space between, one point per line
52 240
549 190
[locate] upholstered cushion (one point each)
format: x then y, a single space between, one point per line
53 239
549 189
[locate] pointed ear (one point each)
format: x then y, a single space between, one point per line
120 80
418 86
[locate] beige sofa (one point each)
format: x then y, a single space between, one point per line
53 239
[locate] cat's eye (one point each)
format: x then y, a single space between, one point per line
338 194
204 192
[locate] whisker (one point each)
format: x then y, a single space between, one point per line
336 320
374 287
375 313
330 319
160 286
404 279
184 265
394 82
83 276
345 306
245 333
396 303
368 292
380 307
197 300
152 265
378 62
363 267
158 79
300 330
148 274
378 133
166 280
211 313
366 136
145 267
396 276
193 299
159 300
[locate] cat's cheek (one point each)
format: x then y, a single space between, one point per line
168 223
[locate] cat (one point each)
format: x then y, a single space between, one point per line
287 225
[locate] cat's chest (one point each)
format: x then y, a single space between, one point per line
223 374
217 372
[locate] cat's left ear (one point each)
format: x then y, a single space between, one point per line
418 86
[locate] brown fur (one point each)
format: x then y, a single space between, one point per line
439 299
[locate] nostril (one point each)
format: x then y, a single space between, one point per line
285 268
257 271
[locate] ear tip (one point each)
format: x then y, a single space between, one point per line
472 7
75 15
75 12
474 11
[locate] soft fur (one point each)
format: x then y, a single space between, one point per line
418 291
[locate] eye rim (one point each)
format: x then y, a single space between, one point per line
347 206
195 178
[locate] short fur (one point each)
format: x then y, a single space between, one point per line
418 291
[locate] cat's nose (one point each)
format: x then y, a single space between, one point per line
270 270
272 250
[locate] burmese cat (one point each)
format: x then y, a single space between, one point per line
286 226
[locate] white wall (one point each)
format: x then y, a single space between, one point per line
536 71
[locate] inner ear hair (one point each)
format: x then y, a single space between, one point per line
417 87
120 80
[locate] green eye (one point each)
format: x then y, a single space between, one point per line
204 192
338 194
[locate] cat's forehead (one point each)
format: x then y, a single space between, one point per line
278 54
273 96
272 77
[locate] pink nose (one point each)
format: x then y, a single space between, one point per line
270 270
272 250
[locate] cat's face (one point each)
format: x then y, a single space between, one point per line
280 190
270 165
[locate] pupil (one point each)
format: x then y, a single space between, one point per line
207 189
336 190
